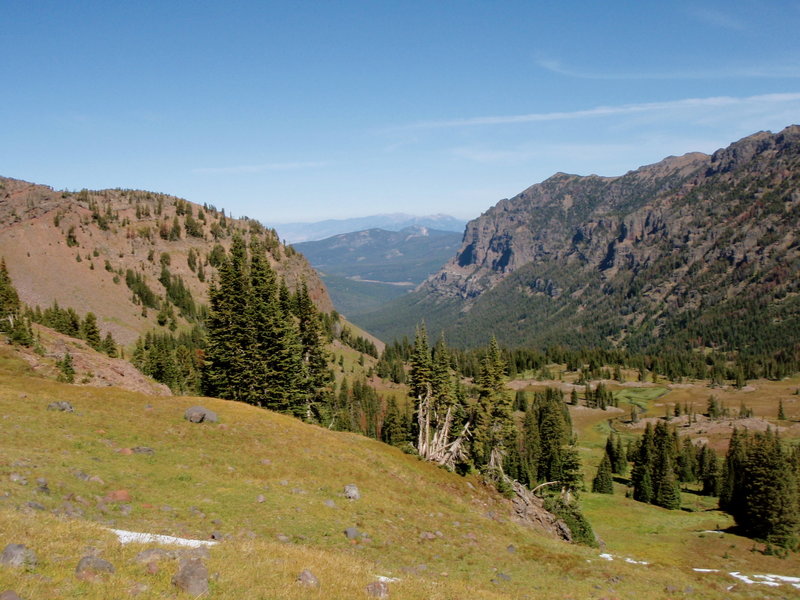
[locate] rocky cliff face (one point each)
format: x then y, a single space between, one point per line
631 257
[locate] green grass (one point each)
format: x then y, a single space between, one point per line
206 478
642 397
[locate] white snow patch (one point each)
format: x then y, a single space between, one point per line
385 579
128 537
607 556
636 562
706 570
747 580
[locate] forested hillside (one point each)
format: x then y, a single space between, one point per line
693 252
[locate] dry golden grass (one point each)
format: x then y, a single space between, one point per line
208 477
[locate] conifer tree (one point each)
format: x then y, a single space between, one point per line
642 475
494 423
9 299
90 332
603 482
732 473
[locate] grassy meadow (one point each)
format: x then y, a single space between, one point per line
271 488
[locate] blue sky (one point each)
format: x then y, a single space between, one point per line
301 111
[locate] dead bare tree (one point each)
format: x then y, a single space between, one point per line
434 443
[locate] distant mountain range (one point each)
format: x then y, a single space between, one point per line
294 233
365 269
695 251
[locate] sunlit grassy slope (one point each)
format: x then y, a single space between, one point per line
272 488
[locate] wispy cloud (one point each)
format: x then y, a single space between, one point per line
716 18
286 166
786 71
610 111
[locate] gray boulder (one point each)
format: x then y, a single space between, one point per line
18 555
93 567
61 405
351 492
200 414
192 577
308 579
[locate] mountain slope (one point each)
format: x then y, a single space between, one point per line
76 248
271 488
365 269
694 250
319 230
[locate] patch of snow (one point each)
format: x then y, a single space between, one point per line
636 562
128 537
747 580
607 556
706 570
385 579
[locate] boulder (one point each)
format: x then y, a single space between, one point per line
351 492
307 578
199 414
352 533
378 589
192 577
91 568
18 555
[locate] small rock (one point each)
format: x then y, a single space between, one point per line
35 505
143 450
125 451
511 548
199 552
378 589
427 535
152 568
9 595
199 414
91 568
260 498
18 555
192 577
283 538
330 503
502 577
217 535
61 406
352 533
17 478
118 496
125 509
138 588
351 492
266 461
43 487
83 476
307 578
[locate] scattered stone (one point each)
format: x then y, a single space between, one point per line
91 568
68 509
352 533
125 509
143 450
117 496
153 555
167 508
61 406
299 491
501 577
199 414
43 487
83 476
283 482
192 577
330 503
125 451
96 479
511 548
217 535
266 461
378 589
138 588
35 505
18 555
152 568
427 535
199 552
283 538
17 478
308 579
351 492
9 595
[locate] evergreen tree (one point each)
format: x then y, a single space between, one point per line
603 482
66 370
494 432
9 299
90 332
781 413
732 473
642 475
531 447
